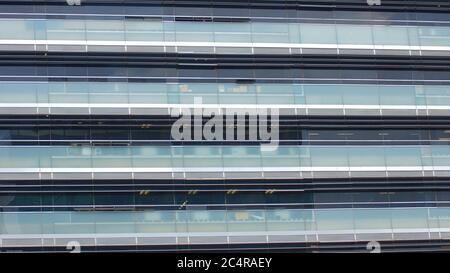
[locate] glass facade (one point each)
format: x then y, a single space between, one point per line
345 221
224 93
223 32
224 157
87 151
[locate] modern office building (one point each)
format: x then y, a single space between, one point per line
87 96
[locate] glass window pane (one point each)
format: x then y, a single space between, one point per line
354 35
232 32
317 34
270 32
390 35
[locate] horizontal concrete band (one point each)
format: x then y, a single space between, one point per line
221 173
183 238
168 109
218 47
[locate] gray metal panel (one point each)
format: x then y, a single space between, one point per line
435 53
404 174
282 175
296 50
154 175
70 176
204 175
150 111
356 51
157 240
183 240
45 176
243 175
21 242
399 112
19 176
301 112
318 174
307 175
116 241
233 50
48 242
43 110
438 112
287 111
171 49
156 49
270 50
178 175
362 112
247 239
319 51
109 111
435 236
411 236
391 52
82 241
326 112
442 173
17 47
286 238
336 238
368 174
112 175
208 240
422 112
195 49
374 237
18 111
69 111
67 48
311 238
41 48
105 48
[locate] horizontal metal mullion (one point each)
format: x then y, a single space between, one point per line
131 207
217 60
